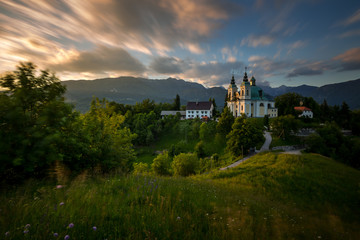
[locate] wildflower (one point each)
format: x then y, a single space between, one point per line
26 231
7 233
67 237
62 203
178 218
59 186
71 225
56 234
27 225
94 228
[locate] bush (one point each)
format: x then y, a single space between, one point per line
185 164
141 168
161 164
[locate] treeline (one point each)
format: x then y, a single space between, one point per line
341 115
328 122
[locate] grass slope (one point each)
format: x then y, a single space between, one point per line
270 196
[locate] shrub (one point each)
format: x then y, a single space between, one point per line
161 164
141 168
185 164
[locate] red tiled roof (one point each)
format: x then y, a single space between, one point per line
302 109
198 105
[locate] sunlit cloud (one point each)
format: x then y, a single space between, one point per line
255 41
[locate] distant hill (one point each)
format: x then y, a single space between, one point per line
129 90
334 94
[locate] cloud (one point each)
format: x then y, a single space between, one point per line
304 71
168 65
352 19
350 33
295 45
350 60
121 23
255 58
100 60
255 41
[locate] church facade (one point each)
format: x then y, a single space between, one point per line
249 99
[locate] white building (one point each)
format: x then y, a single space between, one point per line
305 112
249 99
199 110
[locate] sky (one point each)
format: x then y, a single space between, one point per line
281 42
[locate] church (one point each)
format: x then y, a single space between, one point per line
249 99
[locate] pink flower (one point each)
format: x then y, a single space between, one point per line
59 186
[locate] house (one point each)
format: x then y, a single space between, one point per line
305 112
201 110
249 99
167 113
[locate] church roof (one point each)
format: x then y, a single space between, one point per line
198 105
257 93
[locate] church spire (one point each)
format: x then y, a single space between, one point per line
232 80
245 79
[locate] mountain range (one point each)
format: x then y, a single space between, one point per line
129 90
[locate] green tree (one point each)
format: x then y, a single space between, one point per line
110 143
284 126
161 164
243 136
200 149
185 164
225 123
33 117
286 103
177 103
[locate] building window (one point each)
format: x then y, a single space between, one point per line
197 111
269 105
242 92
247 92
261 104
242 107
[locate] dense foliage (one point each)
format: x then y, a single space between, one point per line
243 136
329 141
39 131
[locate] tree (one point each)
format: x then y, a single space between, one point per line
185 164
33 117
286 103
199 150
284 126
110 144
226 120
161 164
215 111
243 136
177 103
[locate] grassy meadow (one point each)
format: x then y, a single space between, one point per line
270 196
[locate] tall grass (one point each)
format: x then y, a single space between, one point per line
270 196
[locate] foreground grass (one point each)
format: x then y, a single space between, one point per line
270 196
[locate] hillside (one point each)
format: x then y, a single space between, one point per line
129 90
270 196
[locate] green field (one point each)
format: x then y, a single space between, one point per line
270 196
